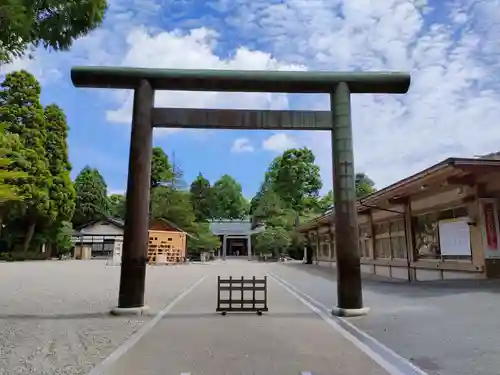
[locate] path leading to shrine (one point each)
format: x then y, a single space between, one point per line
190 338
55 320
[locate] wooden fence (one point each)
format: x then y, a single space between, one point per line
237 288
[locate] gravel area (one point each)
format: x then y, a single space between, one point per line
54 315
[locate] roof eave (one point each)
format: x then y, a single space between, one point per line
392 190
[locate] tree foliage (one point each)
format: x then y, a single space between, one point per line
62 192
325 202
289 195
275 240
201 195
21 113
58 236
203 241
295 178
161 170
364 185
10 173
228 200
173 205
117 206
267 206
52 24
91 198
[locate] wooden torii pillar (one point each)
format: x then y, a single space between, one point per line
145 81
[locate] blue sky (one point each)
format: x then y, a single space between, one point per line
450 47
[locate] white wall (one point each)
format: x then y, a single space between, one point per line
97 230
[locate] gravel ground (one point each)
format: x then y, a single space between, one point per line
445 328
54 314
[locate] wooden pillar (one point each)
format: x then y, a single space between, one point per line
371 227
224 247
309 255
349 292
332 247
410 243
317 246
135 237
249 245
373 240
330 243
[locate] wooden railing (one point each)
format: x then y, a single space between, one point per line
237 288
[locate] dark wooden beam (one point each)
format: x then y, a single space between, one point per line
397 200
468 180
468 199
240 80
241 119
135 237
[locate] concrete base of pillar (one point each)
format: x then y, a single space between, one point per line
338 311
121 311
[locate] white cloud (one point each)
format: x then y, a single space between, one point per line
454 98
242 145
44 75
279 142
190 51
451 50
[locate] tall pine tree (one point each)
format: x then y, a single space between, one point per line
201 198
11 172
228 202
21 113
62 191
91 197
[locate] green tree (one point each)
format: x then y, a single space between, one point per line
201 198
53 24
173 205
7 189
117 206
62 240
325 202
228 200
91 198
364 185
275 240
21 113
161 170
178 181
10 148
266 205
203 239
295 178
58 237
11 175
62 191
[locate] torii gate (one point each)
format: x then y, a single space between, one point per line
145 117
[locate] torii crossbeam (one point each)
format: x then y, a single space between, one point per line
145 117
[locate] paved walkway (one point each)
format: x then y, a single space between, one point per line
192 339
